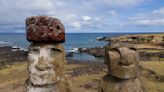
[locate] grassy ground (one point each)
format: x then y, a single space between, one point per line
12 78
155 70
156 66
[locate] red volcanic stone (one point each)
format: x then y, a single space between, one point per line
44 29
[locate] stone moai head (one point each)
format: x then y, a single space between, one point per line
46 63
44 29
46 54
122 61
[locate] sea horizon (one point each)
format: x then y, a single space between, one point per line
73 40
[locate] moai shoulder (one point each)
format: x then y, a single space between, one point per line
123 72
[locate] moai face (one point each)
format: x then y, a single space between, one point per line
46 63
44 29
122 62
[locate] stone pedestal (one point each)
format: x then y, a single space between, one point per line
123 73
46 56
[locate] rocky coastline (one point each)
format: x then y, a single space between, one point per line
149 46
10 55
85 75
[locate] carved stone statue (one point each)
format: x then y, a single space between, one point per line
123 70
46 56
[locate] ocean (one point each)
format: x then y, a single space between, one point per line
73 41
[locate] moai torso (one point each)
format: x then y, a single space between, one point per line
46 56
123 72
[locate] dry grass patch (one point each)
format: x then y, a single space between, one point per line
156 66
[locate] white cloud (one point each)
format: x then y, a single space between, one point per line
42 4
150 22
75 24
153 18
86 18
122 3
15 11
60 3
159 11
113 13
75 14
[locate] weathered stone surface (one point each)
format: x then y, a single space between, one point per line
46 63
44 29
123 75
46 55
109 84
47 88
123 63
46 69
62 86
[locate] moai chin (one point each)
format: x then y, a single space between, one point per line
46 55
123 73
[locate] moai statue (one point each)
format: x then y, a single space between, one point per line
123 70
46 55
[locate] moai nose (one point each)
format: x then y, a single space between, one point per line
126 57
42 65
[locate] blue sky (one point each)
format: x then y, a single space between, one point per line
86 16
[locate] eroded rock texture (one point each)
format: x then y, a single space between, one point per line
46 55
46 69
44 29
123 72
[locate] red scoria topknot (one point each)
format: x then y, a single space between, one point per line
45 29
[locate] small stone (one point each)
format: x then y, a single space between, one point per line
45 29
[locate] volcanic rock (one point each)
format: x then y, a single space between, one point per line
44 29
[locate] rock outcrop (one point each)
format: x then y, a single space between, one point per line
8 55
46 59
123 70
